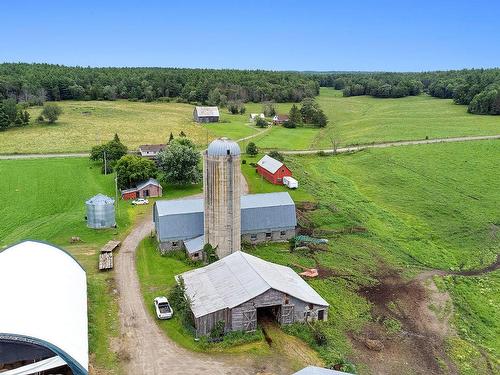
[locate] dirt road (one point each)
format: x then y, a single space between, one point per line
144 346
341 150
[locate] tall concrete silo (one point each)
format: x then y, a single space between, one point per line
222 189
100 212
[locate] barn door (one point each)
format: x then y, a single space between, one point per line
249 320
287 314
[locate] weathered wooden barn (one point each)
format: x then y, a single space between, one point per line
151 151
273 170
240 289
206 114
145 189
280 119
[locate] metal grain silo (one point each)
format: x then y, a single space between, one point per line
222 190
100 212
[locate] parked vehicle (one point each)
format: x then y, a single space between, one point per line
140 201
163 308
291 182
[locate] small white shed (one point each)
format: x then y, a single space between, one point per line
291 182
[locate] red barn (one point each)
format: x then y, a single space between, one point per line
272 170
149 188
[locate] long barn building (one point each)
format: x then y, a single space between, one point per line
179 224
241 288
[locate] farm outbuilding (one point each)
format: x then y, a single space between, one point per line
151 151
280 119
206 114
264 217
240 289
100 212
145 189
273 170
43 318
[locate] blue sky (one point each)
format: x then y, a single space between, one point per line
279 35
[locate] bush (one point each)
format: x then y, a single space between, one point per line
243 161
181 304
218 331
289 125
40 119
276 155
51 111
261 123
322 153
252 149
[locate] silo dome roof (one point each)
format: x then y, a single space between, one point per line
223 147
100 199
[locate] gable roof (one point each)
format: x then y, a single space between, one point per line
194 245
281 117
151 148
269 164
238 278
100 199
182 219
142 185
207 111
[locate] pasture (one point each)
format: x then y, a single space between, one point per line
352 120
424 208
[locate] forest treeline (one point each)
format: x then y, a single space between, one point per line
479 89
33 84
39 82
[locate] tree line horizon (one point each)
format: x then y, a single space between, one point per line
36 83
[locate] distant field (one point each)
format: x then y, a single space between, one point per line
424 207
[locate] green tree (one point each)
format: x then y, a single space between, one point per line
26 118
19 118
179 162
269 109
171 138
4 119
132 169
51 111
10 109
261 123
112 150
320 118
252 149
276 155
294 116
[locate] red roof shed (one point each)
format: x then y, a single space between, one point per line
272 170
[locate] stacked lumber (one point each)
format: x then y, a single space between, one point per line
106 255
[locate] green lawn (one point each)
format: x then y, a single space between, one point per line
364 119
432 206
44 199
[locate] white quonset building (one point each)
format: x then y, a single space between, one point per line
241 288
43 315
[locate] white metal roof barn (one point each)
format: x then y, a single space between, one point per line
43 318
233 289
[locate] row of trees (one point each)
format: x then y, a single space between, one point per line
309 113
12 115
479 89
35 83
178 163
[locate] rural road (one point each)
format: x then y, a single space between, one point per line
289 152
393 144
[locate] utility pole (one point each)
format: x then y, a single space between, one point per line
116 195
105 164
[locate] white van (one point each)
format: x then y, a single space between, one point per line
291 182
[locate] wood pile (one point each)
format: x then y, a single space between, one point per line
106 255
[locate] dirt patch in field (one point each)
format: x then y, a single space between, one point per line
406 335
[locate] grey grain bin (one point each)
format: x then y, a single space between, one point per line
100 212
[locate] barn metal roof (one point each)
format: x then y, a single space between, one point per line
313 370
223 147
238 278
100 199
207 111
142 185
182 219
270 164
195 245
43 291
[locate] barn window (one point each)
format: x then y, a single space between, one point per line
321 314
282 233
311 306
268 235
175 243
253 237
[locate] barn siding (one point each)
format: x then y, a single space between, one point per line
275 236
276 177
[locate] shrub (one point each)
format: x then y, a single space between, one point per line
218 331
40 119
243 161
276 155
289 125
322 153
252 149
181 303
261 123
51 111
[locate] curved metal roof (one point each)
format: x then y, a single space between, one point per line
100 199
223 147
44 294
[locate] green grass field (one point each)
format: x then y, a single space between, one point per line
424 207
353 120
